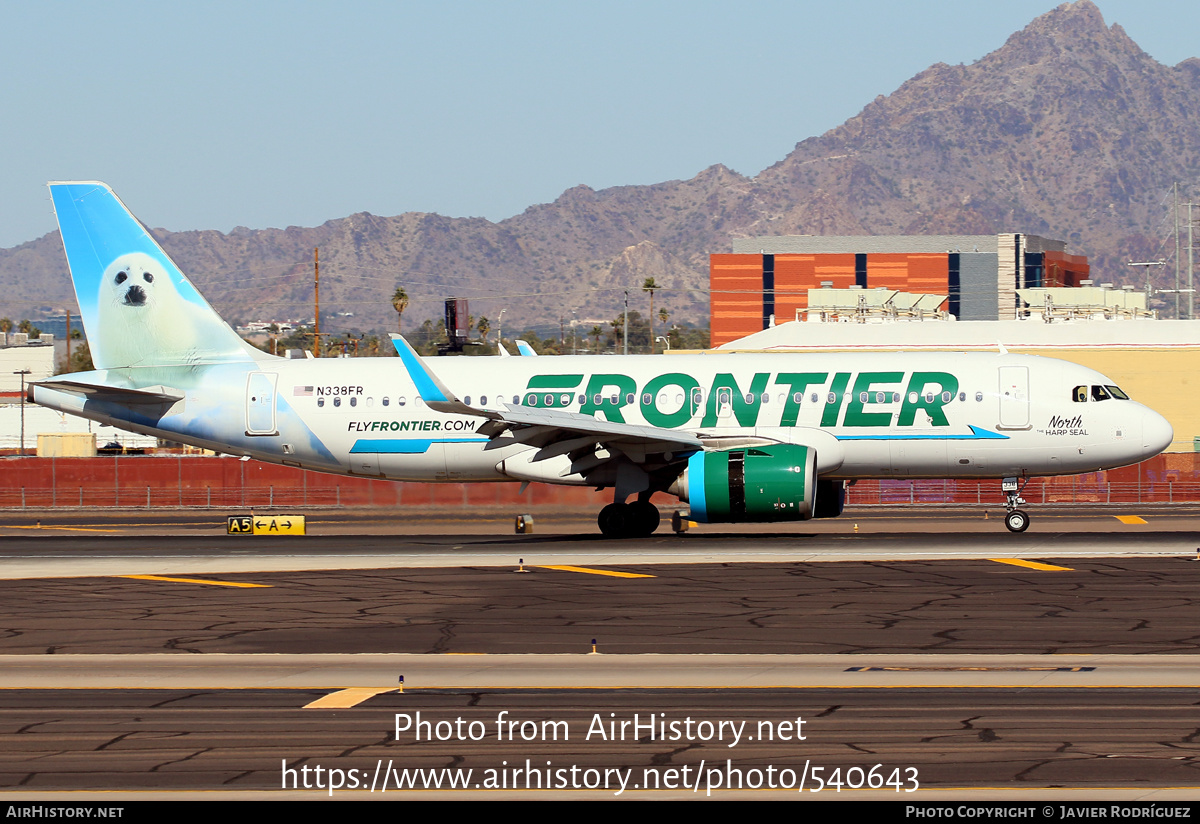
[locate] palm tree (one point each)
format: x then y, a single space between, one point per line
484 326
648 285
595 335
400 303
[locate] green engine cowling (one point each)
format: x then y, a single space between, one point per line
752 484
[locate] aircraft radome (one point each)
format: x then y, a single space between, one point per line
739 437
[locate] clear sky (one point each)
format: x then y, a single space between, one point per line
210 115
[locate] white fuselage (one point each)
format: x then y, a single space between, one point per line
867 416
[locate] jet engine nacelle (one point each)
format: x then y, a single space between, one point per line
758 483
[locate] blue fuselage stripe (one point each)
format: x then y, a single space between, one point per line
404 446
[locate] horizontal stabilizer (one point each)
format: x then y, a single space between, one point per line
113 394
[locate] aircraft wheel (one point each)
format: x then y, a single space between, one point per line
1016 521
643 519
614 520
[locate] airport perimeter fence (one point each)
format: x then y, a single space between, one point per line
197 482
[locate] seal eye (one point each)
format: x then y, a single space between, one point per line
122 277
149 278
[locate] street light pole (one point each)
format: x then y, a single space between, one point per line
22 373
625 330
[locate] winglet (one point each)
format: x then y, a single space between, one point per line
435 393
428 386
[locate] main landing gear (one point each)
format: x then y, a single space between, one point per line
638 519
1016 520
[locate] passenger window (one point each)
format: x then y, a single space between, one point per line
862 397
766 398
962 396
832 398
320 402
912 397
337 401
880 397
978 397
629 398
354 401
400 401
613 399
946 396
370 401
815 396
385 401
646 399
582 400
467 400
749 398
798 397
483 400
928 397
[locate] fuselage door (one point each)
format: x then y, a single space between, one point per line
1014 397
260 403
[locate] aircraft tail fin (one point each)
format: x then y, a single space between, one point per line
138 308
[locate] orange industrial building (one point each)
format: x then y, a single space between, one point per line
768 278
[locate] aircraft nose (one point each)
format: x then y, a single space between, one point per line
1157 433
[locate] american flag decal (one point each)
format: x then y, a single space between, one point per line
302 392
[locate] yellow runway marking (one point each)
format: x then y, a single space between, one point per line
67 528
1030 564
195 581
344 699
599 572
1130 519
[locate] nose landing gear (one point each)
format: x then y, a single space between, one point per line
1016 520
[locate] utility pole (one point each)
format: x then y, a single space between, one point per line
1191 264
22 373
317 301
68 366
625 331
1176 187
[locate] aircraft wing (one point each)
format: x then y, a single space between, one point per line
557 432
553 431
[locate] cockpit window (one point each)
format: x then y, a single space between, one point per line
1099 393
1117 393
1079 394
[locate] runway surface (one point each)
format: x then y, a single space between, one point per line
162 656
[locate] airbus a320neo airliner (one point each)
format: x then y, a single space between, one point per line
738 437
